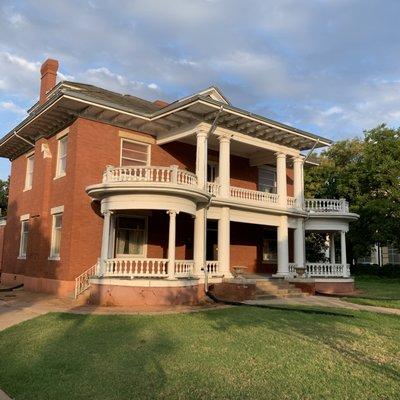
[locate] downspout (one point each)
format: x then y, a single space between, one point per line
210 132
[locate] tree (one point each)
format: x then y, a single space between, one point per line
366 173
4 195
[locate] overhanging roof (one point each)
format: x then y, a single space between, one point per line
68 101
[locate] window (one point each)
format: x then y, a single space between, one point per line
269 251
267 179
29 172
62 157
393 255
212 172
23 245
130 236
134 153
56 236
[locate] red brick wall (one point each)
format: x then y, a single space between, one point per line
91 146
1 245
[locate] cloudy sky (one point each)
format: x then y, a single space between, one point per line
328 66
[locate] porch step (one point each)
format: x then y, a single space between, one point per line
276 288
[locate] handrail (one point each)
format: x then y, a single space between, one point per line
326 205
82 282
154 174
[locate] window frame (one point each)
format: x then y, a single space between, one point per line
148 146
24 237
29 158
267 168
145 238
60 174
56 212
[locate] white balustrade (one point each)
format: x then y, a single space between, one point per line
253 195
212 267
213 188
326 205
136 267
327 270
171 175
291 202
292 268
82 282
184 267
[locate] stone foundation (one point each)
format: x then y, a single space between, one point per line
42 285
325 285
233 291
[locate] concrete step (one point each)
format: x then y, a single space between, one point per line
276 288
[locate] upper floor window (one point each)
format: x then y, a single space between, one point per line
212 171
267 179
29 172
62 157
134 153
23 244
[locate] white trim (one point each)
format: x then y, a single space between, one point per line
148 145
29 159
24 217
63 133
57 210
53 255
59 174
31 153
22 256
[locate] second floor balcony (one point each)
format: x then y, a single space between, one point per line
174 177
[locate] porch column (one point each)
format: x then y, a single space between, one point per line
224 243
343 259
171 244
299 244
199 247
283 247
105 242
224 165
281 182
298 184
332 252
201 158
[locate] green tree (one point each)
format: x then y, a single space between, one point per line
366 173
4 195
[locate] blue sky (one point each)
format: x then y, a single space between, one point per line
328 66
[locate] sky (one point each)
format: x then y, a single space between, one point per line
331 67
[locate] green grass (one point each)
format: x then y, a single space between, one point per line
232 353
375 291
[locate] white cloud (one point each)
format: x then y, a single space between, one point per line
12 107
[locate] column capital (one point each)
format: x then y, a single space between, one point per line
172 212
298 159
225 137
280 155
201 133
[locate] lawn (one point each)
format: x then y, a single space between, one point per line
231 353
375 291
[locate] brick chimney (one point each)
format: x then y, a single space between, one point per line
48 73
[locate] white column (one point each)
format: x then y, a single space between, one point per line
343 248
201 159
199 237
281 181
171 244
224 243
332 252
283 247
298 181
105 241
224 165
299 244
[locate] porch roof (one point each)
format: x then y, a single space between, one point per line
69 100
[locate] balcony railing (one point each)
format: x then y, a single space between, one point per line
323 270
253 195
171 175
326 205
145 267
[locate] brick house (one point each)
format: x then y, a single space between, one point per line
146 200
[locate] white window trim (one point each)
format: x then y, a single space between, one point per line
55 211
148 162
28 156
146 233
267 168
60 136
22 218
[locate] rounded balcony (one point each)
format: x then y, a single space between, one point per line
148 187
